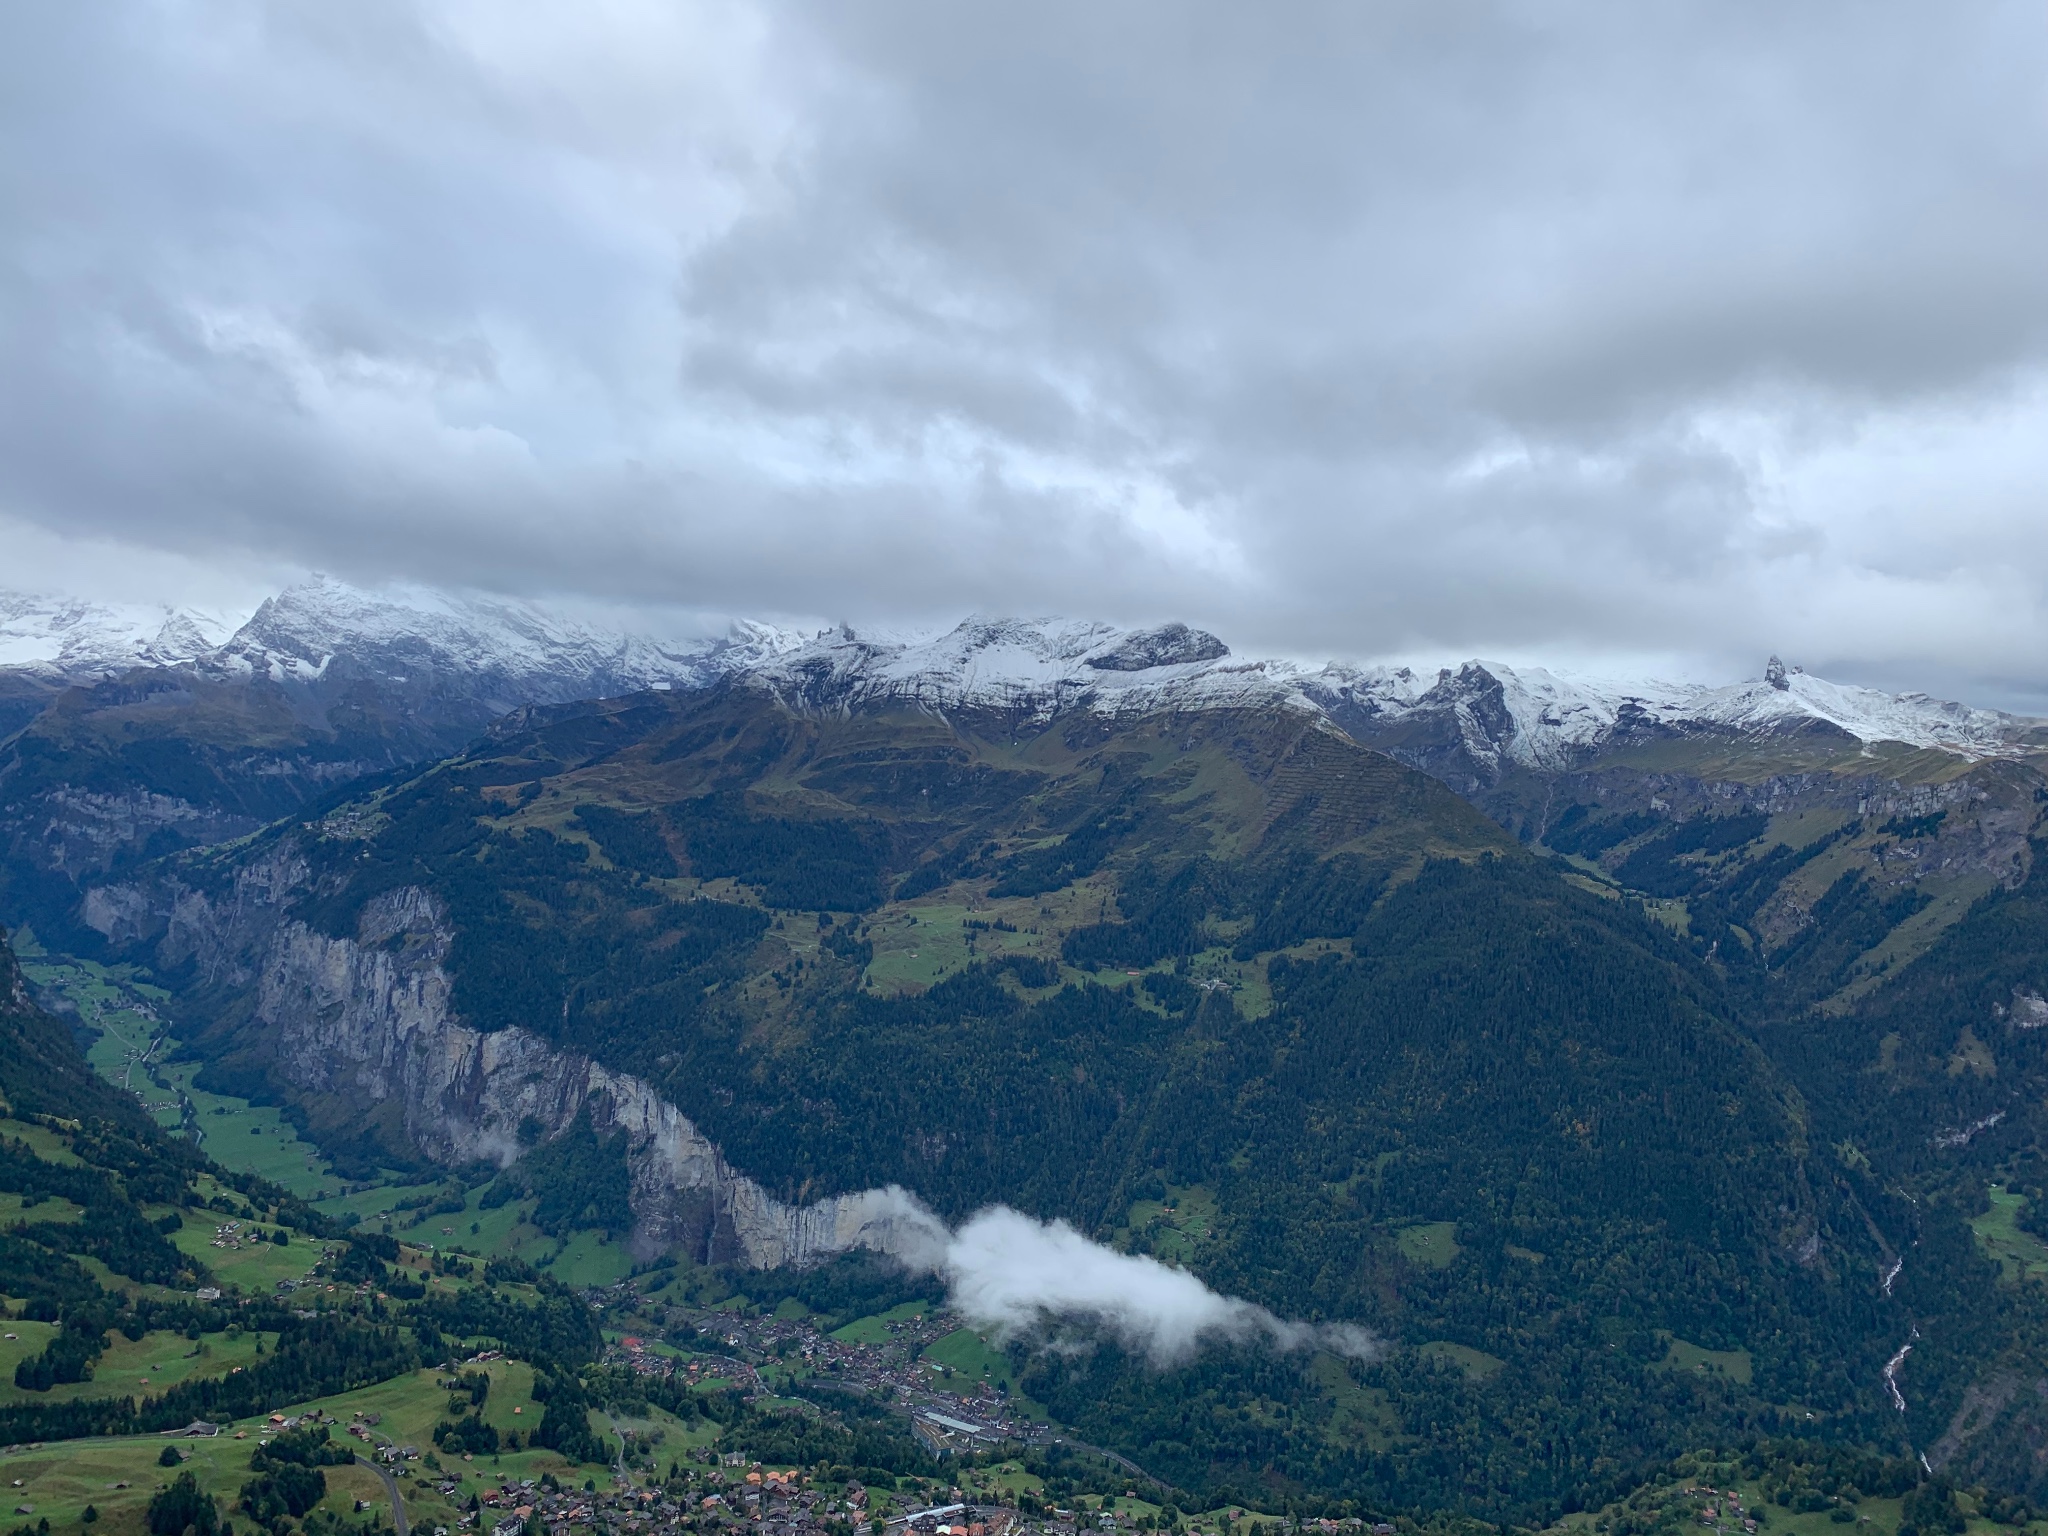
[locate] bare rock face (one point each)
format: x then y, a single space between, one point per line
367 1019
1170 645
224 935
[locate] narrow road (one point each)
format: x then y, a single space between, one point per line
390 1487
1116 1460
620 1465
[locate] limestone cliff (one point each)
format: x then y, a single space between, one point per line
366 1020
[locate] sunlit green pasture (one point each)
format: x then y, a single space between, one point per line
136 1367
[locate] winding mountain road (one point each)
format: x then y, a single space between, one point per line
391 1487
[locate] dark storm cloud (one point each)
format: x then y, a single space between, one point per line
1681 329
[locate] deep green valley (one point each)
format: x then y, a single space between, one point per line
1645 1110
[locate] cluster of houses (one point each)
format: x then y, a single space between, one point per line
634 1354
954 1520
769 1503
1722 1508
233 1236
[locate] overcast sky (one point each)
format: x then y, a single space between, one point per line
1602 334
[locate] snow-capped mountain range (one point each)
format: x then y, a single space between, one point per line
500 653
64 640
1494 715
508 653
504 652
1549 721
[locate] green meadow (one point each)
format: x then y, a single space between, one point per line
875 1329
2018 1253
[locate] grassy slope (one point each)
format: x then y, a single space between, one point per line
59 1484
1244 792
1829 779
61 1480
1229 787
41 1070
1247 792
127 1049
152 1363
118 1476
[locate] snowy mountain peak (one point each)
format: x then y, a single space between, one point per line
483 654
480 656
60 639
1871 715
1479 720
506 651
1034 667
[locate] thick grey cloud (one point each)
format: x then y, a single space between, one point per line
1670 331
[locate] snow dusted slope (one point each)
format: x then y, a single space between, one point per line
1867 714
480 656
1468 726
63 640
504 652
1033 667
1529 715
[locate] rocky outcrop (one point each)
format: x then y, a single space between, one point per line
1170 645
80 832
222 935
367 1019
1999 1432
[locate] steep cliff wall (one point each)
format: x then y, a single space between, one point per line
366 1020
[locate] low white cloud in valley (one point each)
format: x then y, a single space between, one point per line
1015 1276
